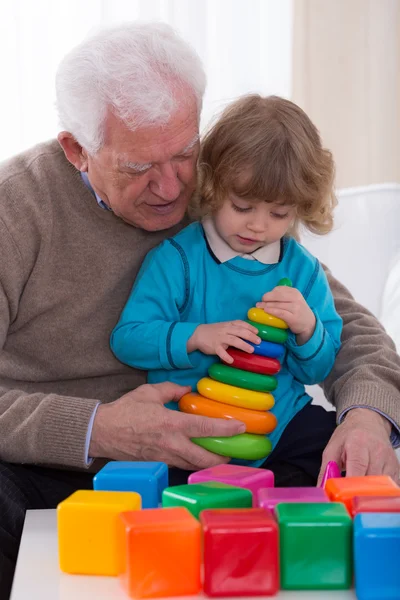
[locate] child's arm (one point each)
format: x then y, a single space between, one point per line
149 334
311 354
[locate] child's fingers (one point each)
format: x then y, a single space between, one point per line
281 294
240 344
246 334
272 307
240 325
223 355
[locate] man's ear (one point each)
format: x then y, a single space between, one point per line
73 150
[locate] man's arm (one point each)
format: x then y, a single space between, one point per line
366 372
364 385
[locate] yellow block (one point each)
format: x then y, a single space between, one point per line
236 396
260 316
87 530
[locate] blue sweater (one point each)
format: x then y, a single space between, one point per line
182 284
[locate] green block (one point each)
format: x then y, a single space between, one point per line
200 496
315 546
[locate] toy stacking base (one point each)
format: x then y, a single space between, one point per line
245 446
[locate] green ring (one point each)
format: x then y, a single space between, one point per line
246 446
242 379
270 334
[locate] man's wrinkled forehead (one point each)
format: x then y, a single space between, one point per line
124 160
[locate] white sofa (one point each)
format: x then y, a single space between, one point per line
363 252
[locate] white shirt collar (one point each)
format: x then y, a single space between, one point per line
268 255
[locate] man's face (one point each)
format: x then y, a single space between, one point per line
148 176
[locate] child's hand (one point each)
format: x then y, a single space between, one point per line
216 337
288 304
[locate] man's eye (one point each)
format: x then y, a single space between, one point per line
184 156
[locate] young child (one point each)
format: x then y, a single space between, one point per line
263 172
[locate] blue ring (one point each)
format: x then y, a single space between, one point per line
269 349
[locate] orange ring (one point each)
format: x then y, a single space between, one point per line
256 421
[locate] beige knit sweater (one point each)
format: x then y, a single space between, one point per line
66 269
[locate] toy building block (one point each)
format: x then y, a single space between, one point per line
200 496
245 477
269 497
363 504
241 552
159 553
148 479
315 546
376 556
331 470
344 489
87 530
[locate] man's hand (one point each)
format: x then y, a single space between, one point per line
137 426
215 338
360 445
288 304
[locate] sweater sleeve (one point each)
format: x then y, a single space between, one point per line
311 362
366 372
35 428
150 334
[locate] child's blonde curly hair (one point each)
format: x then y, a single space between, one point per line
267 149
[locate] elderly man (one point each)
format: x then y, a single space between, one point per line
77 217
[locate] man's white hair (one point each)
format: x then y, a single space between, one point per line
142 72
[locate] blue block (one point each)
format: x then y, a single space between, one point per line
148 479
377 556
268 349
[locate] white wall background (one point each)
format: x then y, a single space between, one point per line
246 45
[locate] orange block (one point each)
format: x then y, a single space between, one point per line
159 552
344 489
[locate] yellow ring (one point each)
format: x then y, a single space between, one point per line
236 396
260 316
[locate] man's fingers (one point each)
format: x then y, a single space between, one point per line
356 460
171 392
196 426
392 468
196 457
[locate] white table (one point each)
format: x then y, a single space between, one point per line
38 577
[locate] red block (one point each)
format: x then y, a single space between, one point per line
241 552
362 504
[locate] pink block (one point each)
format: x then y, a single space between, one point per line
270 497
246 477
332 470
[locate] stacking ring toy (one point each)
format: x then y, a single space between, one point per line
254 363
222 392
245 446
270 334
268 349
256 421
260 316
243 379
285 281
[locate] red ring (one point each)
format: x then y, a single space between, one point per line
253 362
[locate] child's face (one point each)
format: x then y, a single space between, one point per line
246 225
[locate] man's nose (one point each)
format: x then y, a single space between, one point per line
166 184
